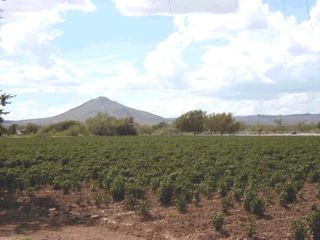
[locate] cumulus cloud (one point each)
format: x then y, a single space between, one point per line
175 7
28 27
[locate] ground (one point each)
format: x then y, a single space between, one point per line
50 215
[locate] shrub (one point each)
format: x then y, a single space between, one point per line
118 189
298 230
130 201
252 203
227 202
217 222
314 224
251 230
182 203
143 209
165 192
288 193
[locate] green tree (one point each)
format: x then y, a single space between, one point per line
101 125
211 123
12 129
31 129
222 123
4 100
192 121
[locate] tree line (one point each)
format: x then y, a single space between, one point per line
197 121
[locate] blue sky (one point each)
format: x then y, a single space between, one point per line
240 56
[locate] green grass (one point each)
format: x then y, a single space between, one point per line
130 165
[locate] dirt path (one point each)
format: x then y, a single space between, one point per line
67 233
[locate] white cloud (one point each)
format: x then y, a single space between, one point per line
175 7
28 26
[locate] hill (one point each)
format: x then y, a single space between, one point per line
286 119
92 108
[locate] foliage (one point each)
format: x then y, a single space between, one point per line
144 209
253 203
251 230
217 222
314 224
192 121
171 166
4 100
222 123
298 229
288 193
105 125
31 128
12 129
65 128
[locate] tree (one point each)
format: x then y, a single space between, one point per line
101 125
4 100
31 129
222 123
319 125
211 123
192 121
12 129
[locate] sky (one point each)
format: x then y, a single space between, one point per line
166 57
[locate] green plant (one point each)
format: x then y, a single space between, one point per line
98 199
144 209
298 229
288 193
165 192
253 203
217 222
227 202
130 201
182 203
314 224
118 189
251 229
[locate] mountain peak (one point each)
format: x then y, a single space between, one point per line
102 98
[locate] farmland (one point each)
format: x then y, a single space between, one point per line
154 175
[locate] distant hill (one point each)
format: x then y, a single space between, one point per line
117 110
286 119
92 108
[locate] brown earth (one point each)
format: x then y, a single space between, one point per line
50 215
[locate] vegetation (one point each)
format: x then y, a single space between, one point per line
105 125
4 100
192 121
298 230
177 169
197 121
217 222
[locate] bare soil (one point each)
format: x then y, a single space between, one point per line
51 215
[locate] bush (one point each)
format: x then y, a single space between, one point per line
165 192
217 222
298 230
252 203
251 230
118 189
314 224
143 209
227 202
182 203
288 193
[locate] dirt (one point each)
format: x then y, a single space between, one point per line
52 215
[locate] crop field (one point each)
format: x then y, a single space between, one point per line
172 178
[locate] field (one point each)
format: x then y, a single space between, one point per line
159 187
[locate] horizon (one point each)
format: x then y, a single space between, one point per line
257 57
166 118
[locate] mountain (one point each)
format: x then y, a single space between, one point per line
286 119
92 108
